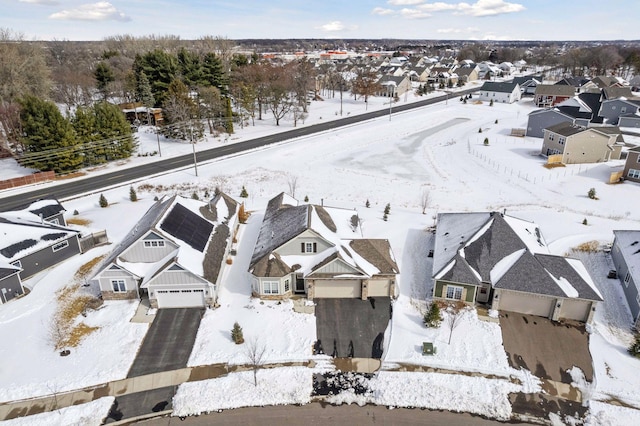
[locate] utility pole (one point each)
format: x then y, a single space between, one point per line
193 145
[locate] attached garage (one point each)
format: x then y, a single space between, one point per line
526 303
379 288
183 298
337 288
575 309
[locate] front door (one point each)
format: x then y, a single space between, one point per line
299 288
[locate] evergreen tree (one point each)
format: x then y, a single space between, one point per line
103 201
213 73
367 204
229 118
306 198
190 68
432 317
236 334
160 68
144 93
104 76
387 209
132 194
244 193
45 130
195 196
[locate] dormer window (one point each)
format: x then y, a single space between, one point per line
309 247
154 243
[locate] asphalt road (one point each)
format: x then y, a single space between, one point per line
93 184
169 341
319 414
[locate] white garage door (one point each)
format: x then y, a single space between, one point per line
338 289
575 310
526 303
180 298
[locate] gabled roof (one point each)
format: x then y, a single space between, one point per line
510 253
47 207
222 207
7 270
499 87
377 252
565 129
21 237
615 92
555 90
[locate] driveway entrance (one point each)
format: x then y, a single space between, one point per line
168 343
352 327
546 348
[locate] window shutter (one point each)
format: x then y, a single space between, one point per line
302 247
315 247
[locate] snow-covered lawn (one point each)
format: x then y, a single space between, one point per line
438 149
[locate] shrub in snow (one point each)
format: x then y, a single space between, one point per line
491 103
480 130
486 141
634 349
132 194
76 213
584 221
194 196
385 217
236 334
592 194
244 193
367 204
496 121
306 198
432 317
387 209
103 201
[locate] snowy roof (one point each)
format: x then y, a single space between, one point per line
179 220
46 207
508 252
284 220
7 270
21 237
500 87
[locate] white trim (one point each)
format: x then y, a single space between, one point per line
270 287
153 244
118 285
456 290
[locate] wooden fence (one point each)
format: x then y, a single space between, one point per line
27 180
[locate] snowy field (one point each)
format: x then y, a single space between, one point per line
437 148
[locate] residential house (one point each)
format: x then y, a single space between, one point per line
507 68
503 262
625 253
541 119
10 282
34 244
528 84
623 112
578 110
615 92
503 92
577 144
576 82
632 165
548 95
392 86
602 81
314 251
174 255
467 73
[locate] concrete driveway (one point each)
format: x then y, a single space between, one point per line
546 348
168 342
352 327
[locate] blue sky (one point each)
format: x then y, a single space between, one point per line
399 19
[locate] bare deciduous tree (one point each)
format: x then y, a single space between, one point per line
292 182
255 352
454 314
424 199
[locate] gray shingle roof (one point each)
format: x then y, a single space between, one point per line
555 90
452 229
528 275
559 267
460 272
499 87
565 129
281 223
377 252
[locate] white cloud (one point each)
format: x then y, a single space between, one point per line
405 2
440 6
489 8
414 14
334 26
457 30
101 11
45 2
382 11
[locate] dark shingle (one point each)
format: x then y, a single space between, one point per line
528 275
187 226
559 267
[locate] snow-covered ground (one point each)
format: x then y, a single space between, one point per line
437 148
89 414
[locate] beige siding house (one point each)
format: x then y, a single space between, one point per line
632 165
310 251
579 145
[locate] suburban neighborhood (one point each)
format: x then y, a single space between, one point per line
475 254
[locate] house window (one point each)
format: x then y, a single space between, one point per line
634 174
551 137
154 243
118 286
286 286
309 247
627 278
54 221
270 287
17 264
59 246
454 292
561 140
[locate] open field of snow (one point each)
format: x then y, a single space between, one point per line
438 149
